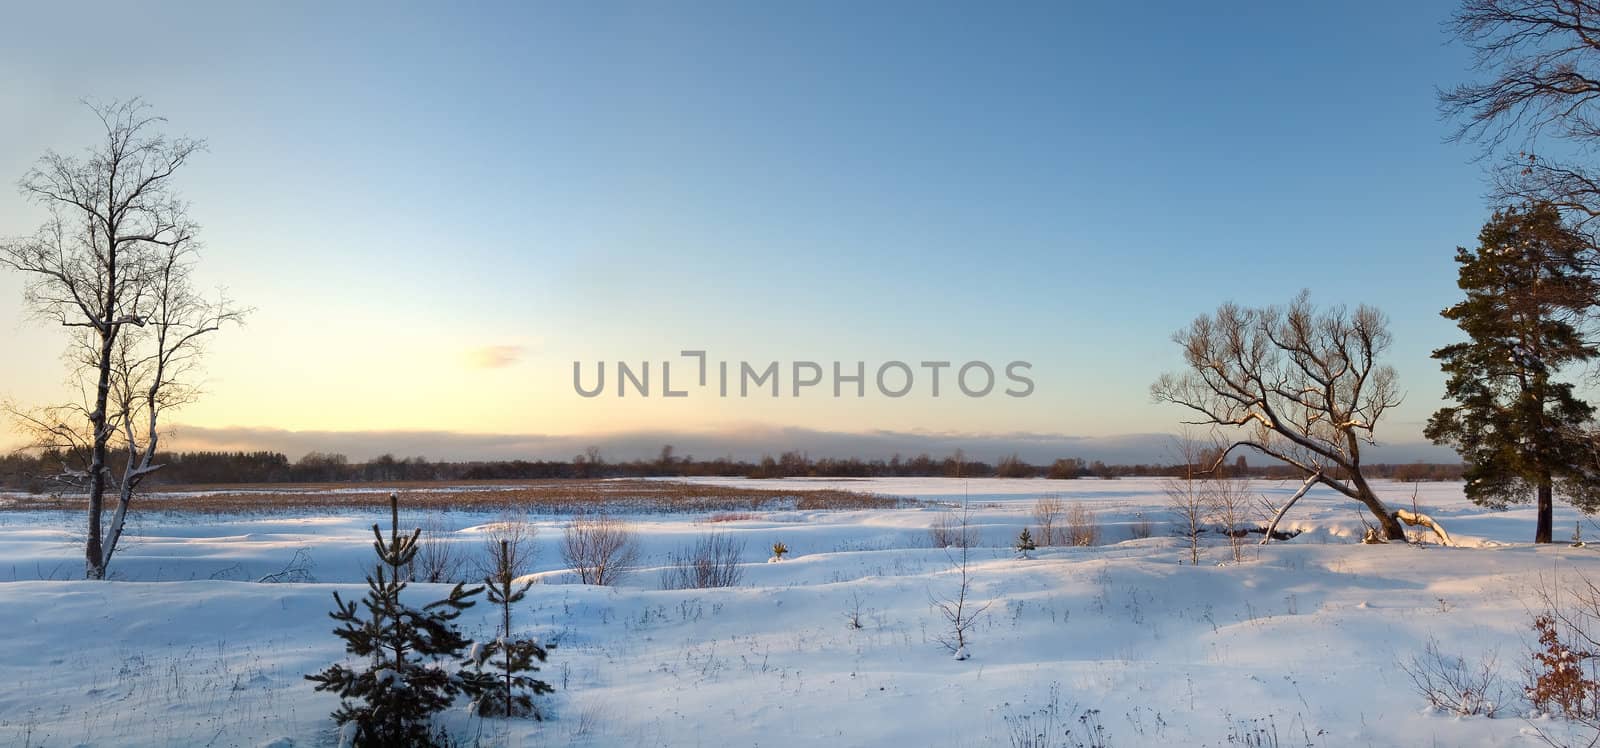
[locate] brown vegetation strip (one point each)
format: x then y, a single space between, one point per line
558 496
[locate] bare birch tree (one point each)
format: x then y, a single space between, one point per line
112 265
1229 501
1047 513
1186 497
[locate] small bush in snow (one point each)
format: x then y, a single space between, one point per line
438 559
1055 724
779 550
511 533
1141 527
1559 680
601 550
712 562
1083 528
298 570
1262 732
1047 513
1452 684
1186 500
1229 501
1563 676
950 531
852 612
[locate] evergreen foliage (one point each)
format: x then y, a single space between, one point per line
512 690
406 680
1025 542
1519 429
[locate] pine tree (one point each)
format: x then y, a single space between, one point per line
512 692
392 702
1519 429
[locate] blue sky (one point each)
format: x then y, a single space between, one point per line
395 187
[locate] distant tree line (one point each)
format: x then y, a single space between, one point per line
37 471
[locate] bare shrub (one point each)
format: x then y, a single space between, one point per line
520 540
1055 723
590 720
852 610
951 530
1201 497
1141 527
713 561
1047 513
298 570
1262 732
1082 526
730 517
438 559
1563 671
959 610
1186 501
601 550
1229 503
1452 684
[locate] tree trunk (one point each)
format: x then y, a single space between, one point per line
1310 481
1417 518
1391 527
94 556
505 606
1546 526
119 519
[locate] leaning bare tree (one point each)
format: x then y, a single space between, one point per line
1297 384
112 265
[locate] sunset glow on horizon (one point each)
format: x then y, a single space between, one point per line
434 218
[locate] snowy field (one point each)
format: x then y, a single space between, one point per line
1122 643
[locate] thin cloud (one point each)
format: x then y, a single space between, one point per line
496 356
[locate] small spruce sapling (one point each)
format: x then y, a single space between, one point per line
1025 544
392 701
513 690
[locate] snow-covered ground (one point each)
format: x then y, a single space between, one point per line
1300 640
